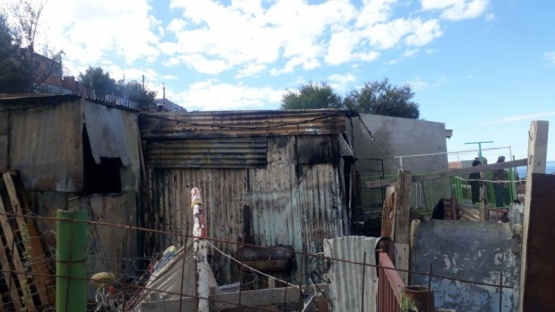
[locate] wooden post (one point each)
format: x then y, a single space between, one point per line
402 224
484 212
537 157
199 246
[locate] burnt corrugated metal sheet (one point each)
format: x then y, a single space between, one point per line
45 144
242 123
208 153
107 134
285 203
346 279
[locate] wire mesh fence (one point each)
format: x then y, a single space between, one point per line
169 281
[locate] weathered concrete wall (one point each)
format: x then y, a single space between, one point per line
400 137
472 251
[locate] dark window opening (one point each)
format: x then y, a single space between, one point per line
100 178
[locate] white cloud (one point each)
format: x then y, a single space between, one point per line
92 30
417 84
456 9
410 52
340 83
212 95
489 17
550 56
519 118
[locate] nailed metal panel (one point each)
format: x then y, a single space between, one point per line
45 144
208 153
106 131
346 287
242 123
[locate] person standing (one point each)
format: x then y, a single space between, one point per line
474 184
499 178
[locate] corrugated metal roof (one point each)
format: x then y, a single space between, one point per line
241 123
346 290
208 153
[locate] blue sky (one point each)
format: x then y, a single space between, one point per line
484 68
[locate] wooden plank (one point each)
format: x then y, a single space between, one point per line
251 298
45 276
451 173
537 158
388 212
402 208
16 260
36 260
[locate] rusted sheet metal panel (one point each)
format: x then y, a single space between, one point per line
208 153
107 132
45 144
346 287
539 294
282 204
242 123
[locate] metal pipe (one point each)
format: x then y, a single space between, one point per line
71 261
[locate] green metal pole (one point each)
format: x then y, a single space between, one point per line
71 261
480 148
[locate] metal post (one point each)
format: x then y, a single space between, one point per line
71 261
480 148
199 245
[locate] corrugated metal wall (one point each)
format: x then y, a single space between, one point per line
284 203
346 290
208 153
45 144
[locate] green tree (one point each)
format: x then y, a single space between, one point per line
382 98
13 77
100 80
311 96
134 91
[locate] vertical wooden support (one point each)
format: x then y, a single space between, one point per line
484 212
199 245
537 157
402 223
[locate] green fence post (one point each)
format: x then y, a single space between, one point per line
71 261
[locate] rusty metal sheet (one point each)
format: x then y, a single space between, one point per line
208 153
346 287
107 132
267 206
45 144
540 272
241 123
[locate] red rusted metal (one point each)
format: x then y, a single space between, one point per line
390 285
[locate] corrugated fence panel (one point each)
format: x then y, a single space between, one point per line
346 291
46 146
208 153
242 123
223 191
